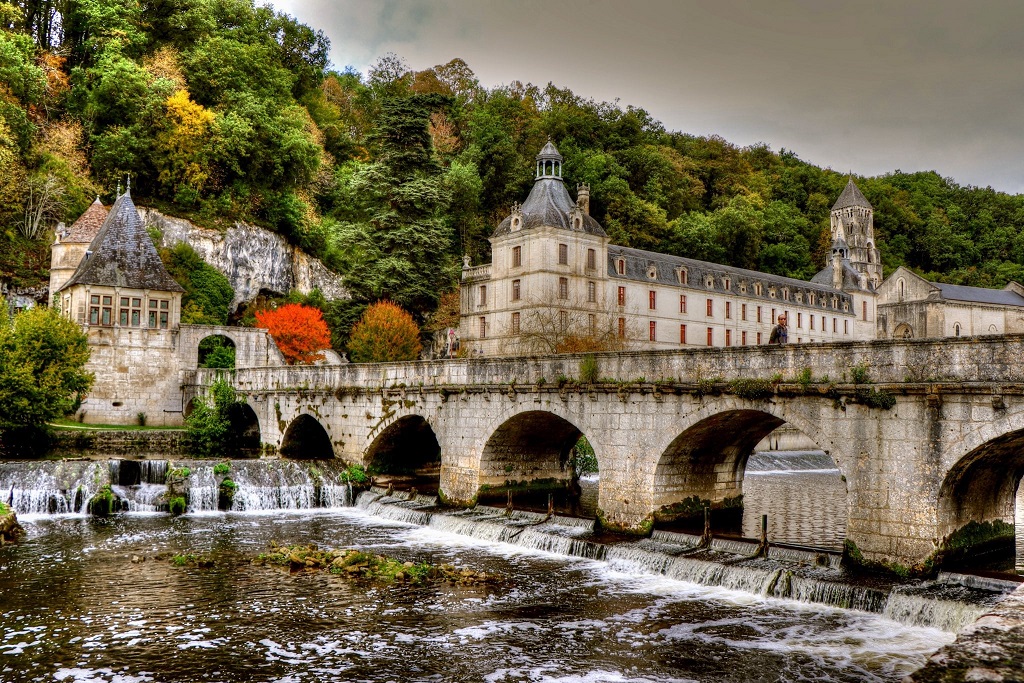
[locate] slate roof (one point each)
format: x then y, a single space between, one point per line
851 196
851 276
549 204
122 254
638 261
980 295
83 230
549 151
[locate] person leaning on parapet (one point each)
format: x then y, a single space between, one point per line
780 333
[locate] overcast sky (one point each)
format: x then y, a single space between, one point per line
864 86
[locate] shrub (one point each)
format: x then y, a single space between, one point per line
221 468
178 505
141 419
208 429
299 332
583 460
385 333
588 369
752 389
859 373
216 352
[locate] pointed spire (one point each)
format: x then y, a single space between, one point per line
851 196
128 191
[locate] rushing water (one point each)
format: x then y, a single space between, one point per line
89 600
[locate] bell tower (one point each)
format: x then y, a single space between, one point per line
853 226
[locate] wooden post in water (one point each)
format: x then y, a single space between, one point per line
508 506
762 547
705 539
551 504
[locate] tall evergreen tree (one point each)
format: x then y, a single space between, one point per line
401 249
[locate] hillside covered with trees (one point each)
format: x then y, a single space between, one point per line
221 110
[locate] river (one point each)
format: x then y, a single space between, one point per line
75 607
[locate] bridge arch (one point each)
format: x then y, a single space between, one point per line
407 446
704 460
307 439
528 450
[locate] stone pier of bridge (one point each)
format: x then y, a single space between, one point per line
928 434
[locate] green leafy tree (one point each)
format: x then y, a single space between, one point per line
208 293
211 426
42 370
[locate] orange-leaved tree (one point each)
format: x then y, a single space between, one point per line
299 331
385 333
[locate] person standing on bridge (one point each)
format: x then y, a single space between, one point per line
780 333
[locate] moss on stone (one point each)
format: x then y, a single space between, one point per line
104 503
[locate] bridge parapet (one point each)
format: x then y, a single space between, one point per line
995 359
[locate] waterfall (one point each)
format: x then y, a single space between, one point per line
51 488
789 461
790 573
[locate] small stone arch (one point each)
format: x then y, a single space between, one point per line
216 351
406 449
903 331
306 439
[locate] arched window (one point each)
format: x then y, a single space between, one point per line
899 289
956 330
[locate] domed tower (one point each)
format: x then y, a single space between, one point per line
548 269
853 226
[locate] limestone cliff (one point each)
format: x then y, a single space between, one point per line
252 258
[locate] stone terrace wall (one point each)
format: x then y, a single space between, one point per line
157 443
963 360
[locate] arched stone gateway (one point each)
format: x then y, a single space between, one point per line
406 451
306 439
216 351
529 451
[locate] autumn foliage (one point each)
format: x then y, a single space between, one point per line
299 331
385 333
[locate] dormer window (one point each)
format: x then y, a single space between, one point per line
620 266
682 276
771 292
577 223
517 223
785 293
726 284
709 282
799 297
758 288
743 288
652 271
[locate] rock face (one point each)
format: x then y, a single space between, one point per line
252 258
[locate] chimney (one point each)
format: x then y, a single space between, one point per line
583 197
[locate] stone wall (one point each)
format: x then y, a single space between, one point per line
155 443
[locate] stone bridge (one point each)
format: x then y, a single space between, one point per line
928 434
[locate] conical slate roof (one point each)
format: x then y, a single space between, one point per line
851 196
83 230
123 255
549 204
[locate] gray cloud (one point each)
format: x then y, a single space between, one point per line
867 86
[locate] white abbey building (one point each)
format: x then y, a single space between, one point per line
555 283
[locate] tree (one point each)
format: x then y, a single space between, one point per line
42 369
210 427
208 293
574 328
386 333
299 332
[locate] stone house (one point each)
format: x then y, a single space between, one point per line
554 274
910 306
107 276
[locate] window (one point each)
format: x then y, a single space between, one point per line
622 296
622 328
107 312
516 290
483 327
728 310
621 266
727 284
94 310
785 294
515 323
682 334
743 338
758 289
711 336
131 311
483 295
592 292
652 300
810 298
833 325
123 313
682 303
810 321
758 338
773 316
863 310
728 337
743 311
158 310
846 327
563 320
652 272
653 330
563 288
758 314
682 275
956 328
592 320
517 257
563 254
710 308
591 259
